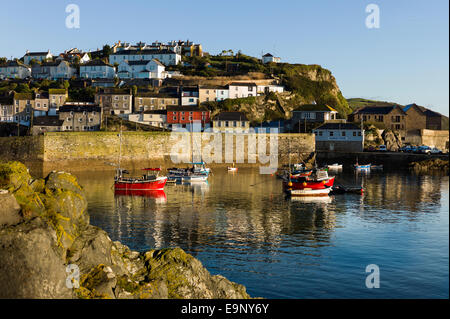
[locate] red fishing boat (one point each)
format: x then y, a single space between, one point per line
317 184
149 181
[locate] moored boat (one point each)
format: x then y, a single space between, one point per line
149 181
317 184
335 166
232 168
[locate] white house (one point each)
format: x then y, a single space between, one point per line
264 89
339 137
15 70
156 118
38 56
97 69
222 93
189 96
166 57
267 58
241 89
141 70
59 69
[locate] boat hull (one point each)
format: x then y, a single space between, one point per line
140 185
308 192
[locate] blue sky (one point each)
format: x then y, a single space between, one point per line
406 60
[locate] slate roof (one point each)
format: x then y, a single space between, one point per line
79 108
230 116
377 109
338 126
47 121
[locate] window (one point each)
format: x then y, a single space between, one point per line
226 124
354 133
191 100
331 133
243 124
174 118
250 88
182 118
343 133
234 123
219 123
80 120
359 133
190 118
320 133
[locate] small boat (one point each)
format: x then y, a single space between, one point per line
340 189
149 181
317 184
232 168
196 177
365 166
335 166
198 172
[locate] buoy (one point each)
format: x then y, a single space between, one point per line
290 184
324 182
304 184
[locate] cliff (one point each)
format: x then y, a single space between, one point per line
48 249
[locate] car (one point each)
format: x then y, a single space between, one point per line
382 148
404 148
423 149
435 150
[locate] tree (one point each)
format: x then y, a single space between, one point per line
66 84
23 88
107 50
3 60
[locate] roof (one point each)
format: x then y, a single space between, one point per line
338 126
37 53
6 100
268 54
57 91
156 95
13 63
377 109
230 116
142 52
155 112
96 62
315 108
242 84
23 96
175 108
79 108
47 121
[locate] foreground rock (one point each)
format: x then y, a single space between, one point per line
47 243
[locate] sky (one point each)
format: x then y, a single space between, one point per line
405 60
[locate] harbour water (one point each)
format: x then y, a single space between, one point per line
241 225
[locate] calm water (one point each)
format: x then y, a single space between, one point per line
242 226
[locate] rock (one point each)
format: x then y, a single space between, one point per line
10 212
391 140
30 264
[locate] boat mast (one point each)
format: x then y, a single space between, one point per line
120 147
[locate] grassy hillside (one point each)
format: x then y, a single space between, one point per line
356 103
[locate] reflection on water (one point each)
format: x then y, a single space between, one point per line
243 227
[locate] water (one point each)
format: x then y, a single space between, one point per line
242 227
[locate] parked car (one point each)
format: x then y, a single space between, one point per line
382 148
423 149
404 148
435 150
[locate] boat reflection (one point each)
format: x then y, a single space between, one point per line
159 195
311 199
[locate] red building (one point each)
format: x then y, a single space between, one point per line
187 117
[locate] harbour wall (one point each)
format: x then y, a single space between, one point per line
94 150
390 160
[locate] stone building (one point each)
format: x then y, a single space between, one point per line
231 122
80 117
44 124
390 117
115 101
148 101
339 137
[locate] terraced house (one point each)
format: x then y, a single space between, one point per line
147 101
166 57
115 101
56 70
6 109
97 69
23 107
392 117
14 70
80 117
37 56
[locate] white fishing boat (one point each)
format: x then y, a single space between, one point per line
335 166
232 168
